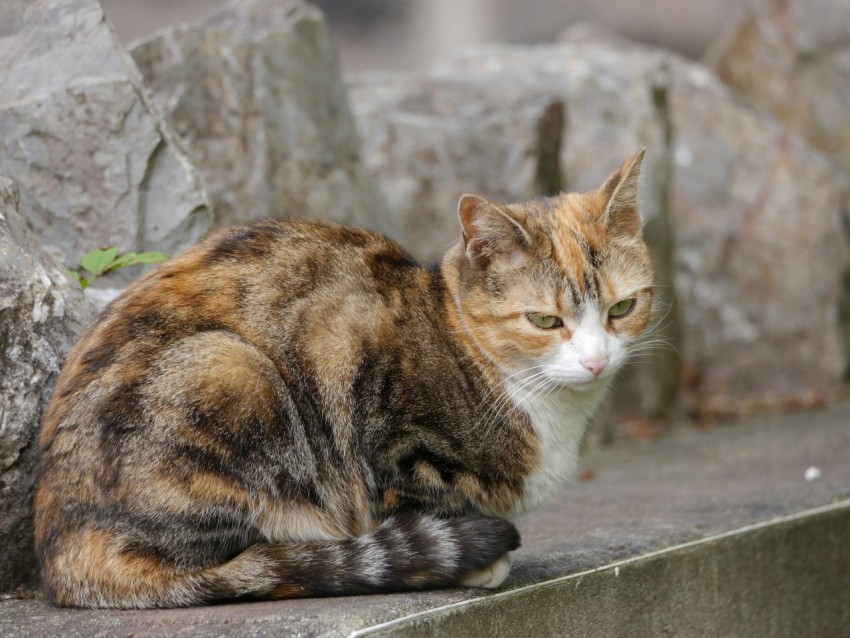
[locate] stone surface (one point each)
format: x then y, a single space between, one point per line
95 163
479 124
428 142
256 95
42 312
705 533
760 253
793 59
742 216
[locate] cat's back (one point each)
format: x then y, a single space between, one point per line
195 394
261 282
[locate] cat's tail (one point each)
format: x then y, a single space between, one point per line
411 551
405 552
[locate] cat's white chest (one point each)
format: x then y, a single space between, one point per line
559 420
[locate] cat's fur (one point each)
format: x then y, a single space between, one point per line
299 409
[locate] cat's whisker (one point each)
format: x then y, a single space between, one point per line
553 386
505 398
642 357
656 345
539 393
534 393
504 382
651 342
656 323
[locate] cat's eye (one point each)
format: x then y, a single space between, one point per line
547 322
621 308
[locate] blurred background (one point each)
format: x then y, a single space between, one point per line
415 34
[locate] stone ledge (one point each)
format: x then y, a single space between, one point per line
704 533
749 581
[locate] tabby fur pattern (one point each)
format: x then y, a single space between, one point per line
296 409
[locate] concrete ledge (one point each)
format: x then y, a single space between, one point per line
705 533
755 580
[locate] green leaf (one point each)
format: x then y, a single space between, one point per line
150 258
124 260
103 262
134 259
97 261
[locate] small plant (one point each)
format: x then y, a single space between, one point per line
98 263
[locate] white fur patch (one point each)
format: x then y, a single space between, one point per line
444 550
372 559
559 418
559 393
489 577
590 341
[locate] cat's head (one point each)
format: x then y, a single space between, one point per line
557 287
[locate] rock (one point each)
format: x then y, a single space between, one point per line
256 94
486 122
102 297
42 312
760 252
756 281
793 60
428 142
95 162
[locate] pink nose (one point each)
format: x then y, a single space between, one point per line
595 365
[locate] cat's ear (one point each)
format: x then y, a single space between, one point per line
620 192
491 233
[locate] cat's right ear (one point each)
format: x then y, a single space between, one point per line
490 233
621 193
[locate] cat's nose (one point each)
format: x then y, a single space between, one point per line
596 364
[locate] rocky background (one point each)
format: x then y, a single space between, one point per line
245 115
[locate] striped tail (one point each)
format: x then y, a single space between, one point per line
405 552
412 551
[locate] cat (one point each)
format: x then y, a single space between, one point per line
296 409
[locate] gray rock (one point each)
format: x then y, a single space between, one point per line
256 94
102 297
793 60
428 142
760 252
756 280
95 162
42 312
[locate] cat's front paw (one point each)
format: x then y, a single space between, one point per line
489 577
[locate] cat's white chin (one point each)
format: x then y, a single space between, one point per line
587 385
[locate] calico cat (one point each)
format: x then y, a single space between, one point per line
299 409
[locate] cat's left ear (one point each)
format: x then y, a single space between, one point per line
491 234
620 191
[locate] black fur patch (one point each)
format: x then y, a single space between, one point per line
247 242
